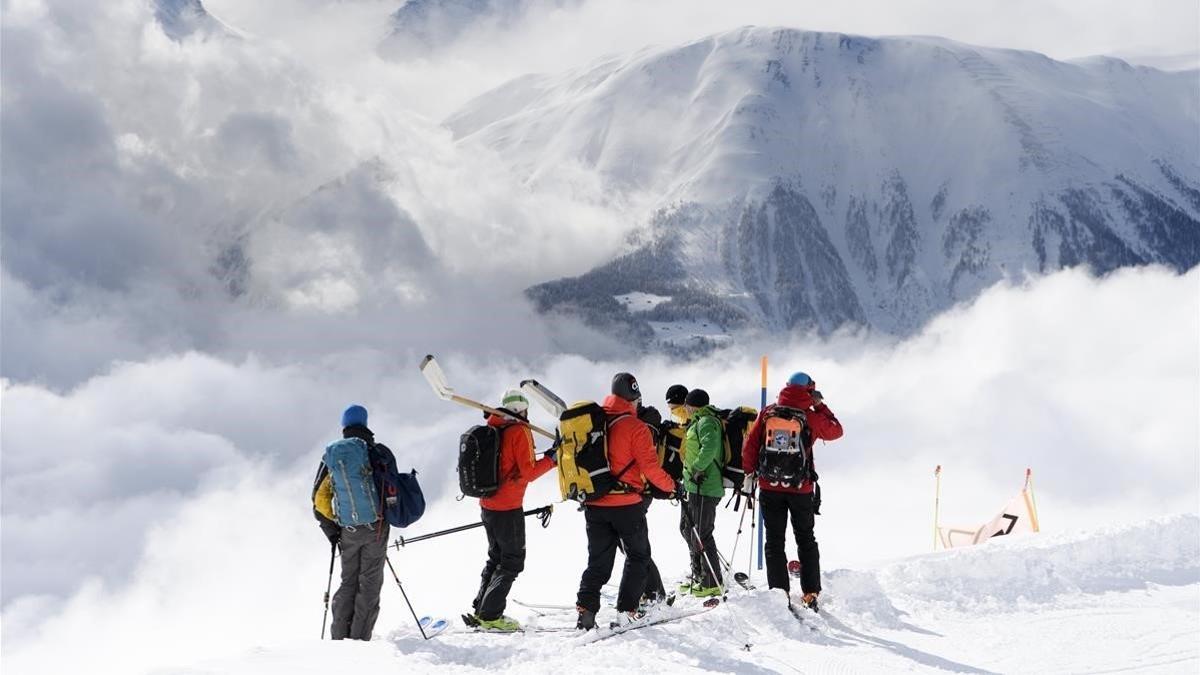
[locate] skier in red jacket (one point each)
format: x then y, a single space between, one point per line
503 513
778 451
619 517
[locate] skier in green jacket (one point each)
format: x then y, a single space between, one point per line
703 451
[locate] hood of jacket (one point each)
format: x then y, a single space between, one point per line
796 396
615 405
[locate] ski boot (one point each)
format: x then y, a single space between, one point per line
627 620
707 592
810 601
586 620
503 624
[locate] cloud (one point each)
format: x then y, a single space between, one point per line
165 194
198 468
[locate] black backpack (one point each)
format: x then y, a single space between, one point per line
735 424
670 449
479 461
784 458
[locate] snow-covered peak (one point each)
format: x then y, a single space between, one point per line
717 116
806 180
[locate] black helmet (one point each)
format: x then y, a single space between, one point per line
676 393
625 386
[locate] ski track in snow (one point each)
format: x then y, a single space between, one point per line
1120 599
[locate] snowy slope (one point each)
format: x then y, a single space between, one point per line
802 180
1122 598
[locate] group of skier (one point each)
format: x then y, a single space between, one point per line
773 461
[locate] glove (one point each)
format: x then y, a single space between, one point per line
698 478
680 492
748 484
552 453
331 531
817 399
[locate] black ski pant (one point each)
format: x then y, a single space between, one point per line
356 603
776 507
506 559
608 527
695 574
654 583
697 524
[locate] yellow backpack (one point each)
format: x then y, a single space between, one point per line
584 474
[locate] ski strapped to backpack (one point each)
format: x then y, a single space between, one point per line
784 459
584 473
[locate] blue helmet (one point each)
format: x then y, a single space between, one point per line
354 415
800 379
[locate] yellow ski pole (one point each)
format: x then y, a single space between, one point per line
937 498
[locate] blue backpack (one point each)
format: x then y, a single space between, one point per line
402 500
355 496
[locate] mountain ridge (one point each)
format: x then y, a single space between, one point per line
834 180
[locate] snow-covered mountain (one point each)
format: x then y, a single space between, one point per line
805 181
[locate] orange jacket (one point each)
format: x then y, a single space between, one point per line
517 466
631 455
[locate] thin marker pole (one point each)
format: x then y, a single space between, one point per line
762 404
937 499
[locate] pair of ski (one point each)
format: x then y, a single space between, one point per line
651 619
441 387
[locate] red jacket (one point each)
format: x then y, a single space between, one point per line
821 424
517 466
631 455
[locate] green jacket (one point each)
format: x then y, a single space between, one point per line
704 450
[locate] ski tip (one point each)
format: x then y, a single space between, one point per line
425 361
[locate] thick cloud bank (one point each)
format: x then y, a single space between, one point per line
181 527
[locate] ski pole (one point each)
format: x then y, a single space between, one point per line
328 585
741 522
701 548
720 581
543 514
410 607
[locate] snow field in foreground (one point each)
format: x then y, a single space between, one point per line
1122 598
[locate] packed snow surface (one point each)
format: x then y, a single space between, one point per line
1118 599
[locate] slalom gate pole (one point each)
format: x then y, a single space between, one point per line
543 514
410 607
328 585
937 498
762 404
1037 525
